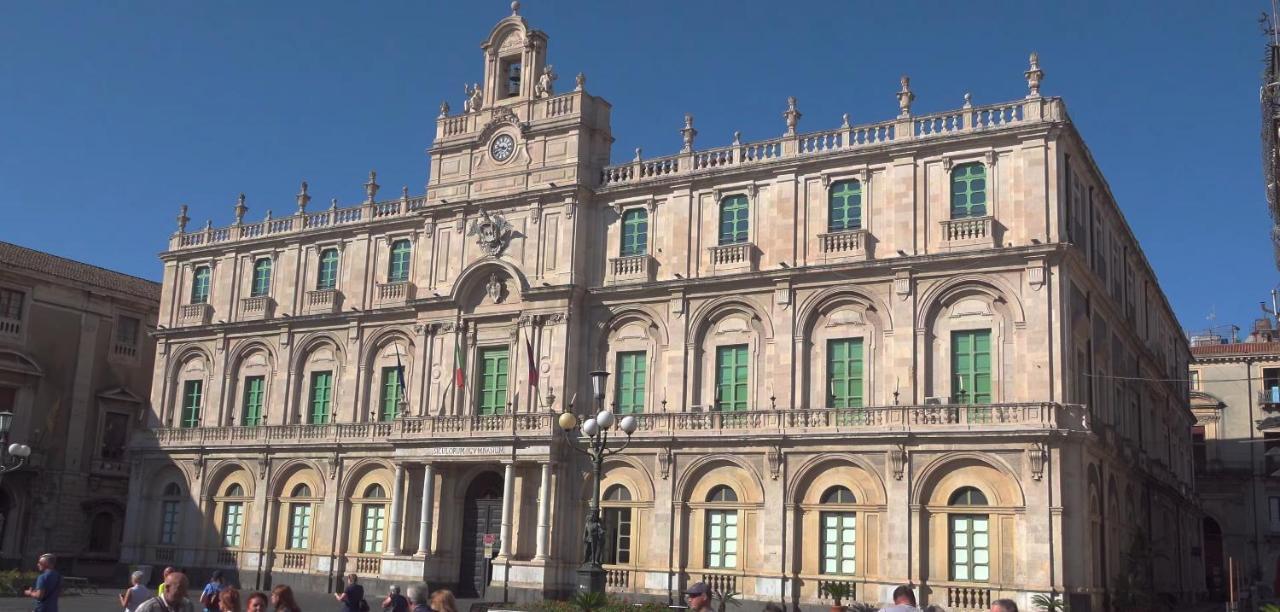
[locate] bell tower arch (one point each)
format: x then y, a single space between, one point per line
515 56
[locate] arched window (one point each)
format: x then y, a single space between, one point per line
375 491
102 532
200 285
970 538
735 221
398 269
373 523
327 274
172 490
300 519
635 232
169 507
302 490
844 206
233 516
968 191
839 533
617 525
261 277
235 490
721 530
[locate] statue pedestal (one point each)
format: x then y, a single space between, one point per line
590 578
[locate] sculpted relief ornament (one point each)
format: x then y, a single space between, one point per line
492 232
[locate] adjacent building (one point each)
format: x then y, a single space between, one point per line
1235 395
927 350
75 371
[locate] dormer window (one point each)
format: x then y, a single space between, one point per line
511 70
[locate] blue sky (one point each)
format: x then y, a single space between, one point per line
112 114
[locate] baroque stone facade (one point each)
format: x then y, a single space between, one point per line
877 354
75 368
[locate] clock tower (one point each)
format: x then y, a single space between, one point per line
517 133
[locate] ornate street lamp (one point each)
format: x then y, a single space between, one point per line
595 439
16 454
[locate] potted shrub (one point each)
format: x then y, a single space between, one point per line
838 591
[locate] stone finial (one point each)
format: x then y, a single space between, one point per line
333 204
268 219
371 187
208 225
905 97
737 138
404 193
580 82
791 115
444 109
303 198
968 100
515 7
240 209
688 133
844 121
1034 76
182 219
637 158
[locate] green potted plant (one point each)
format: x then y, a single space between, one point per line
1049 603
838 591
725 598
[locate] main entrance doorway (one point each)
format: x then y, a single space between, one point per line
481 514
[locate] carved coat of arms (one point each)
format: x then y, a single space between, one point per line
492 233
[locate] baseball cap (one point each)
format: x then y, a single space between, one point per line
698 588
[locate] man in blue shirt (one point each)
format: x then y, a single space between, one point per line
48 585
352 596
209 597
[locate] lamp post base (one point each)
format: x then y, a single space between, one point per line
590 578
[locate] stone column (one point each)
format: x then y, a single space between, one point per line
428 506
508 503
544 512
397 512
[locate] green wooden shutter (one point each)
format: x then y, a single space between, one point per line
200 286
390 394
731 377
844 206
970 548
631 382
635 232
493 381
328 273
192 391
839 536
844 373
251 412
971 367
321 397
399 270
722 539
968 191
299 526
373 529
261 278
232 523
734 219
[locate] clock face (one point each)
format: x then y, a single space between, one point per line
502 148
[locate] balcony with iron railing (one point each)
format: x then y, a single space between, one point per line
813 423
1269 397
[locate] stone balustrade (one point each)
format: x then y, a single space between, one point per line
323 301
849 243
969 232
294 560
631 268
392 294
256 307
10 327
555 107
738 257
365 565
837 422
963 121
963 598
194 314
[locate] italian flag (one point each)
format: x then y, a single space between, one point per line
459 361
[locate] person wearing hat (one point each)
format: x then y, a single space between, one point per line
699 596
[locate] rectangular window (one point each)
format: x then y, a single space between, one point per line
844 206
731 377
11 304
169 522
968 191
617 540
191 396
635 232
722 539
373 528
839 536
631 382
1271 385
251 413
970 554
493 381
971 366
734 219
398 272
844 373
327 277
299 526
200 285
1199 457
1194 380
232 523
115 435
391 394
321 397
127 331
261 278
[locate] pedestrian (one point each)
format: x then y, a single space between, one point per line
420 598
48 585
133 596
443 601
282 599
904 600
229 600
699 596
257 602
1004 605
352 597
395 602
160 589
174 598
209 596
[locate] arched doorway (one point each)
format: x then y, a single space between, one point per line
481 514
1215 573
